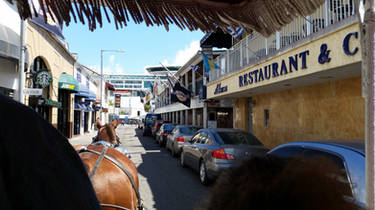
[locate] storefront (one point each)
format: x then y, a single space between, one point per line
310 92
39 79
67 85
83 111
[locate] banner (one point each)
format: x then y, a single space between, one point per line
117 100
181 95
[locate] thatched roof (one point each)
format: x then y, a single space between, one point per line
264 16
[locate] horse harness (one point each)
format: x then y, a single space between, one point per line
103 155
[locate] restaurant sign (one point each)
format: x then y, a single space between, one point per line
220 89
291 64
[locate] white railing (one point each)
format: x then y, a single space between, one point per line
255 47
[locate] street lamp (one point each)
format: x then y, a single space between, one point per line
101 80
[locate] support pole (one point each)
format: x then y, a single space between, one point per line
101 87
366 14
21 65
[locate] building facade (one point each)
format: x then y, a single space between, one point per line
85 101
201 112
130 89
10 24
51 69
302 83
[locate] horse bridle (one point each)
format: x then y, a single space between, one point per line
117 142
103 155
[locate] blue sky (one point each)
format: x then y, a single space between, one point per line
143 46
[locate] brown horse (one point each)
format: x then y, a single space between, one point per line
113 175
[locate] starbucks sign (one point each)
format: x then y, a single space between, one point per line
43 78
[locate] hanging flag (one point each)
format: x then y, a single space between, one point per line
236 32
51 26
170 84
148 97
208 64
156 88
181 95
195 68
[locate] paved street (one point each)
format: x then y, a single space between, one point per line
164 184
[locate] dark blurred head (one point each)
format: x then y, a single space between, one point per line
268 183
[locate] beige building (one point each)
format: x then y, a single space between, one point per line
51 68
303 83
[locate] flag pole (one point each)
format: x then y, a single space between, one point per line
172 75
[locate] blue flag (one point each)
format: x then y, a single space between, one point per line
195 68
236 32
208 64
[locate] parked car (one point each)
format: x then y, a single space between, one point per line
349 156
155 128
180 135
164 131
211 151
149 122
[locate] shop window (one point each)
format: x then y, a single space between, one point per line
266 117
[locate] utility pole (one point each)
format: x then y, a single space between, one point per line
21 64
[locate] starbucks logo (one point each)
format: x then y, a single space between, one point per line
43 78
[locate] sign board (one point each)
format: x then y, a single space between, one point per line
43 78
33 91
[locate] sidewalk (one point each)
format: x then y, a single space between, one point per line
83 139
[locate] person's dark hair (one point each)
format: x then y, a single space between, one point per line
268 183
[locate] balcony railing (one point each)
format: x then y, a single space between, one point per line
256 47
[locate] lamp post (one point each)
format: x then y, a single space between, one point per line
101 81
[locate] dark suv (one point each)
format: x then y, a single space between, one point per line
149 122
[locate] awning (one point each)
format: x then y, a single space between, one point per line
78 106
83 91
40 101
217 39
9 42
110 86
68 82
89 108
92 96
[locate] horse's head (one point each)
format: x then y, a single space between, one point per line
107 132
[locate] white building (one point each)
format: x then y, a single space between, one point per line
9 48
130 88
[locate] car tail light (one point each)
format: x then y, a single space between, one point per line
181 139
220 154
165 133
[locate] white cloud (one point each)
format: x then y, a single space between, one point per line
184 55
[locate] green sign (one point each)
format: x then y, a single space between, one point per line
68 82
52 103
43 78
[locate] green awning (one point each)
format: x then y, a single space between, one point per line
68 82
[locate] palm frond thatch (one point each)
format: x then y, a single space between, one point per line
264 16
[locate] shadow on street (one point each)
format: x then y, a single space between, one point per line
172 186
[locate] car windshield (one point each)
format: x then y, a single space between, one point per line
189 130
239 138
168 127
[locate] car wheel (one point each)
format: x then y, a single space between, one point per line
182 161
203 173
